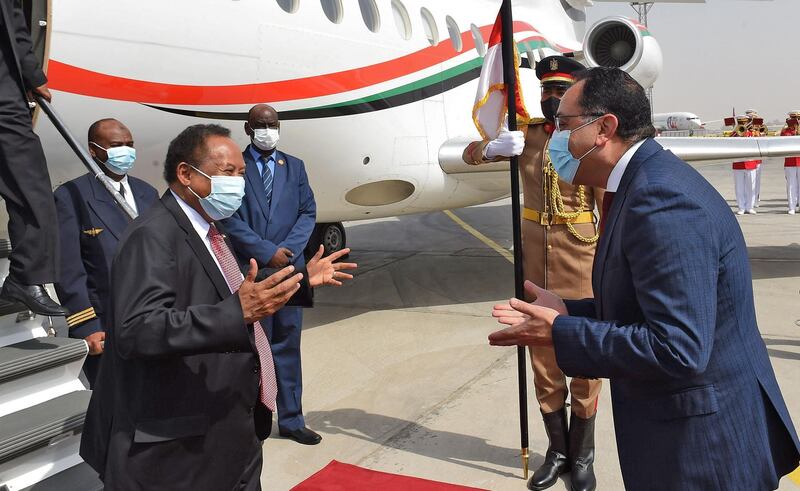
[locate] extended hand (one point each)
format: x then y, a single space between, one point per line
507 144
281 258
96 340
545 298
325 271
531 325
266 297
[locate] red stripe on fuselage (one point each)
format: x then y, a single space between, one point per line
73 79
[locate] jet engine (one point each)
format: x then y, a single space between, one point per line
622 43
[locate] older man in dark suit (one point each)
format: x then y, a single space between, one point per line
187 386
90 225
672 323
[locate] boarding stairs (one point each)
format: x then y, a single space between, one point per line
42 402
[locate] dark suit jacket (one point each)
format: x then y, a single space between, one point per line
673 325
175 406
90 226
258 230
17 49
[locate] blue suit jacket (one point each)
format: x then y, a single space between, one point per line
258 230
673 325
90 226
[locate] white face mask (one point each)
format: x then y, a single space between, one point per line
225 197
265 138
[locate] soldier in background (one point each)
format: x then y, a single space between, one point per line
744 172
791 166
757 128
559 239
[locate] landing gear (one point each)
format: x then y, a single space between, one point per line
330 235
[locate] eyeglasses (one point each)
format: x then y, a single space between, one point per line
561 117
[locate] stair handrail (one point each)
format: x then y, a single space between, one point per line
84 156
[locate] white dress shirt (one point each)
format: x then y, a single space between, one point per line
616 173
200 225
128 194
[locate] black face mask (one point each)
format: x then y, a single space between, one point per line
550 107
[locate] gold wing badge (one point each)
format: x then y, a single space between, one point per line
93 232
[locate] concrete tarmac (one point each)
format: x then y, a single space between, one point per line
398 374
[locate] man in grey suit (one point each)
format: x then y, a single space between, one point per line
672 323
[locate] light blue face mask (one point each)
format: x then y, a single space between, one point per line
225 196
120 159
564 163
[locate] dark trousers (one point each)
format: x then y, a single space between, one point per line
284 338
25 187
91 367
251 477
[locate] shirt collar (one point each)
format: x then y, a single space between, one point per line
615 177
257 155
199 223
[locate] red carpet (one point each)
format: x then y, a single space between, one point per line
337 476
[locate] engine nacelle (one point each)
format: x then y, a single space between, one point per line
622 43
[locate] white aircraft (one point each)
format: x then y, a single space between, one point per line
680 121
375 96
369 92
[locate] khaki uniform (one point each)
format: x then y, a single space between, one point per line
553 257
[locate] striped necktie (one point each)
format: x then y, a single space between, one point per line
266 179
268 390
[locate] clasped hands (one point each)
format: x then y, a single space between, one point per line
264 298
531 323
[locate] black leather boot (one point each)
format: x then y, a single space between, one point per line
581 453
555 461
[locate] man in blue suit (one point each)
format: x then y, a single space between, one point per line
672 323
90 226
273 226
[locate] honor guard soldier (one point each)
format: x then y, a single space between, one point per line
791 166
744 172
559 239
757 128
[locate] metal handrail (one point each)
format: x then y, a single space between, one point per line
84 156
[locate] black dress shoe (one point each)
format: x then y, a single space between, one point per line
301 435
34 297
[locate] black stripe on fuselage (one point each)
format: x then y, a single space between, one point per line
346 110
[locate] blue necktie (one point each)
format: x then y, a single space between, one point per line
266 178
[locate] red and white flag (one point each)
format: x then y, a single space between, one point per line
491 101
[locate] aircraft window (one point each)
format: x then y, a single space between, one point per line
401 19
333 10
480 45
289 6
369 12
431 32
455 33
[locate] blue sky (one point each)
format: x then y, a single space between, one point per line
724 54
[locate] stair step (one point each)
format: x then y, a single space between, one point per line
5 248
80 477
36 355
36 427
8 308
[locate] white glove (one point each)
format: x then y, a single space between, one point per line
507 144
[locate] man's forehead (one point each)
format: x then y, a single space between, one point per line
112 129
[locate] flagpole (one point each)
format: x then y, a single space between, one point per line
510 80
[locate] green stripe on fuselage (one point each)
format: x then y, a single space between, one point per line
430 80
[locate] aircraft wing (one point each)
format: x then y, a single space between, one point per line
699 149
688 149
